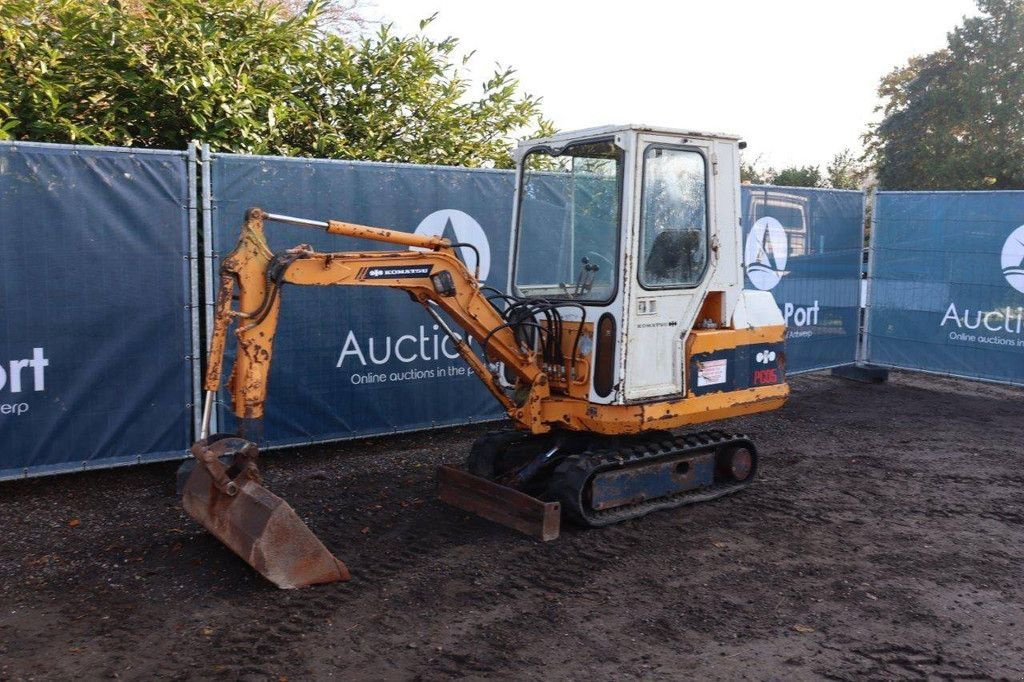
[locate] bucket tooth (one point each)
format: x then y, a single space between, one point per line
253 522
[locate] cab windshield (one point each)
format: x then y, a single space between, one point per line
568 232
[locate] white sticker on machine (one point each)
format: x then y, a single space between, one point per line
711 372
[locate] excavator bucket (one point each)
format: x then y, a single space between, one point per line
223 492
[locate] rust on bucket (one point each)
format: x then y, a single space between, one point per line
257 525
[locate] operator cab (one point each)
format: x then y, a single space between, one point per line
639 228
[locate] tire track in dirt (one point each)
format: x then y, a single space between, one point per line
902 662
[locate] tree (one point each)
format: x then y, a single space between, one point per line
402 100
250 77
799 176
845 171
344 17
954 119
751 172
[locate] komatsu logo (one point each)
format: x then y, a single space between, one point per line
398 272
766 253
461 227
1013 259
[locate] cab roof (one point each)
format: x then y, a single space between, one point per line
604 131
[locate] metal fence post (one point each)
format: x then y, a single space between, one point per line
193 252
209 281
865 344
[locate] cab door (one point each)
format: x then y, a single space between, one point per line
673 234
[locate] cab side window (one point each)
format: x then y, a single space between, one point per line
673 218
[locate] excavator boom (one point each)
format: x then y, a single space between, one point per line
434 277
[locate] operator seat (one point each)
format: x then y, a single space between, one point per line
674 257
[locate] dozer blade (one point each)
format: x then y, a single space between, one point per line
500 504
253 522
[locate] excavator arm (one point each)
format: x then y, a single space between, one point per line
434 276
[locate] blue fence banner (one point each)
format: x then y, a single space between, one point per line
353 361
99 293
96 314
946 292
805 246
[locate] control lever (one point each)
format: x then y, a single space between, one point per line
588 272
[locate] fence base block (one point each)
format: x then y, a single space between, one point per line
868 374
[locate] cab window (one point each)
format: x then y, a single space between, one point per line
673 218
569 213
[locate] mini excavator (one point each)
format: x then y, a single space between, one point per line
624 317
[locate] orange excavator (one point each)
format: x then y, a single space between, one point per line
624 317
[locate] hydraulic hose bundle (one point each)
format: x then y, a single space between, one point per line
524 316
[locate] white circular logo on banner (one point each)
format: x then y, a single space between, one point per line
1013 259
766 253
459 227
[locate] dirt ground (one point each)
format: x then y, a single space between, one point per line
884 539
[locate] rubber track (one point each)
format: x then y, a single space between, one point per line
572 476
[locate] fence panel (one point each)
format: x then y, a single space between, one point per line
805 246
100 239
947 283
353 361
96 321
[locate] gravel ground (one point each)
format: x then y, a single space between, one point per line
884 539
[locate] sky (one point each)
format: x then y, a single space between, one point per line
796 78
